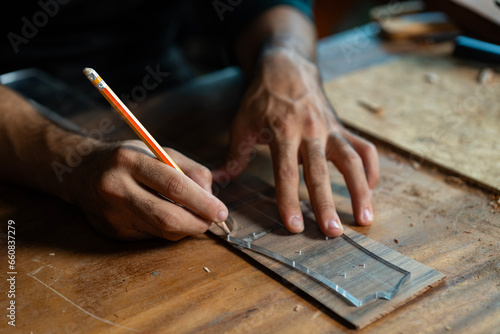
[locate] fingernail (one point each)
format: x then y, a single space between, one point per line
296 222
221 216
332 224
367 216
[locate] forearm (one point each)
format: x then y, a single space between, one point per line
282 27
33 150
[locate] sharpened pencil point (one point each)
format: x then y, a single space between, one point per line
224 227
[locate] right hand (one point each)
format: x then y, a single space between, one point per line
117 186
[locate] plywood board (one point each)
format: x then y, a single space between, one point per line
252 209
453 122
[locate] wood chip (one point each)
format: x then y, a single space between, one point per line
370 106
298 308
206 269
431 77
453 180
317 314
485 76
448 328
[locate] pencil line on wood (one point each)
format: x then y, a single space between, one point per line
80 308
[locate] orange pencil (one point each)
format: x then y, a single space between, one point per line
134 123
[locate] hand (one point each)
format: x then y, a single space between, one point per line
117 186
285 107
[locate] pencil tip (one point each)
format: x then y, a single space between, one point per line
224 227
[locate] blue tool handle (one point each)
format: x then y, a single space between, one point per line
470 48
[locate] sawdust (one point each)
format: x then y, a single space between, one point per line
453 180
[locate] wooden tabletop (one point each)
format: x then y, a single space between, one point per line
72 280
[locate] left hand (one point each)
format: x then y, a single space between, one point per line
286 108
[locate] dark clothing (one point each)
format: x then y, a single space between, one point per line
119 39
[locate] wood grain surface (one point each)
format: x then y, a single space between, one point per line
453 122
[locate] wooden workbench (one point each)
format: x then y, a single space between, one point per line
72 280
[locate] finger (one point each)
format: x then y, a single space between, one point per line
318 184
286 175
161 218
368 153
241 148
349 163
178 188
195 171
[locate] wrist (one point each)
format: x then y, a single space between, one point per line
287 63
68 155
289 43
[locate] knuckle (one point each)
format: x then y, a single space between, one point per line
317 159
123 156
369 149
311 125
168 222
287 172
282 128
204 173
175 186
319 169
325 206
350 158
107 185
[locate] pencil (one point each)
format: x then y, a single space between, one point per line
134 123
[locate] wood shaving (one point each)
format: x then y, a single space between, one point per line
431 77
370 106
453 180
298 308
485 76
